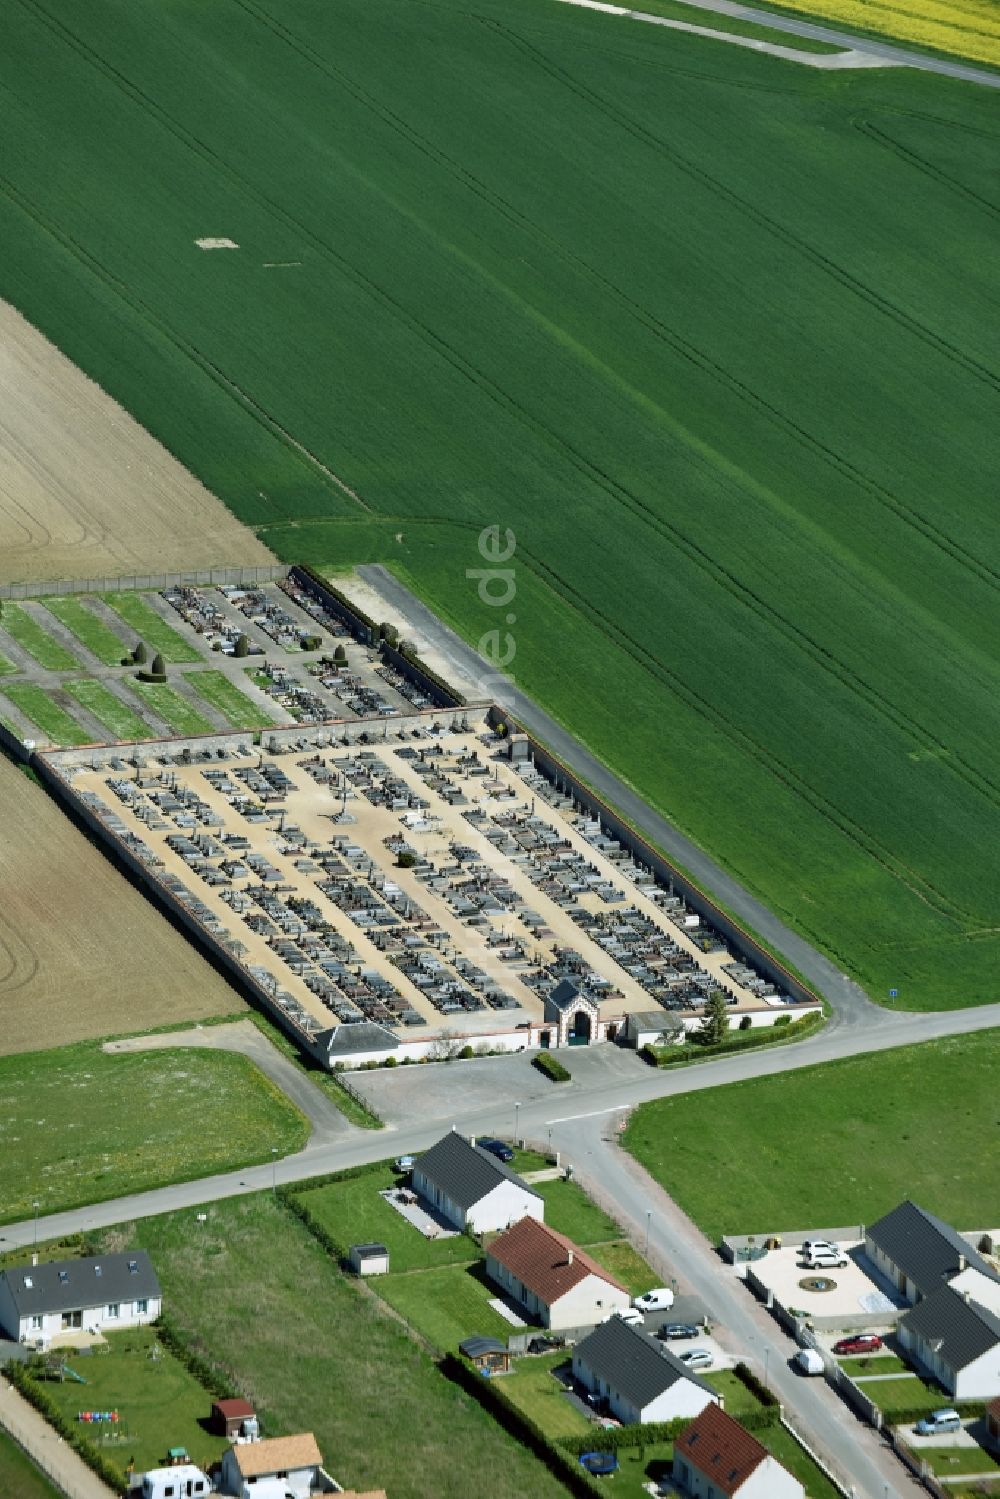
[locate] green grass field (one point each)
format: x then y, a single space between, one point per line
18 1475
918 1122
321 1354
352 1212
233 704
36 640
558 292
151 628
79 1126
55 723
159 1404
182 717
875 1363
6 667
86 626
120 720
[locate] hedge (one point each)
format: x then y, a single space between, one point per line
552 1067
489 1393
327 587
747 1377
614 1438
784 1029
453 698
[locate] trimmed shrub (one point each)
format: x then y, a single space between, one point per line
747 1377
151 676
139 654
340 656
242 646
614 1438
158 668
551 1067
406 858
746 1023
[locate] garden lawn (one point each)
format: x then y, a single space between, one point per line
946 1461
908 1392
233 704
626 1265
85 625
182 717
352 1212
151 628
725 500
159 1403
637 1466
875 1363
533 1388
738 1399
54 722
36 640
121 722
320 1354
446 1306
80 1126
19 1476
919 1122
570 1211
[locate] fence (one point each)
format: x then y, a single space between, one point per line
237 577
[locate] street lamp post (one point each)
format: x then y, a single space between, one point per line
36 1206
767 1353
649 1213
517 1108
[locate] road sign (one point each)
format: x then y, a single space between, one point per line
893 993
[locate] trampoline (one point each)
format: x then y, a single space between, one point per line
600 1464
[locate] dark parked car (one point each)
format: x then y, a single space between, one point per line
861 1342
498 1148
545 1344
679 1330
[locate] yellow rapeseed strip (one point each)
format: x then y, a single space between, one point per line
969 28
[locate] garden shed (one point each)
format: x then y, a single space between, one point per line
369 1259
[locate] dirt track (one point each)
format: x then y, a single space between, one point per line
84 490
82 953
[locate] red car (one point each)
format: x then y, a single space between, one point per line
862 1342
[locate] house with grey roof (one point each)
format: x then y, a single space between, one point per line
352 1043
640 1380
957 1340
472 1189
918 1252
99 1293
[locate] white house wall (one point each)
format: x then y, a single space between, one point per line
980 1380
505 1205
587 1304
768 1481
682 1399
46 1326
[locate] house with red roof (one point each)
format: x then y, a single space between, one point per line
714 1458
556 1282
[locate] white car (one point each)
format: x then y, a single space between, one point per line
811 1246
660 1299
825 1259
627 1314
697 1358
404 1163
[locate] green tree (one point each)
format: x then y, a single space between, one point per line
158 668
406 858
340 656
242 646
715 1021
139 654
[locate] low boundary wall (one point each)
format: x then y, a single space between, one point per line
238 577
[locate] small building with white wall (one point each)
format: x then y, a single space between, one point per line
640 1380
471 1189
555 1282
97 1293
275 1468
716 1457
957 1340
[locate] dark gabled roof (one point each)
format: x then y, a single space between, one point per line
478 1347
356 1035
563 994
964 1329
464 1172
631 1363
721 1449
71 1285
369 1251
926 1248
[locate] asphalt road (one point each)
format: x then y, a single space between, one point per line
898 56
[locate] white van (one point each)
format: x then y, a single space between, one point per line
808 1361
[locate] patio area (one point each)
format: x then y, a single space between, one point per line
845 1297
418 1213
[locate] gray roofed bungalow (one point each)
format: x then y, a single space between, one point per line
919 1252
470 1188
958 1340
640 1380
99 1293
